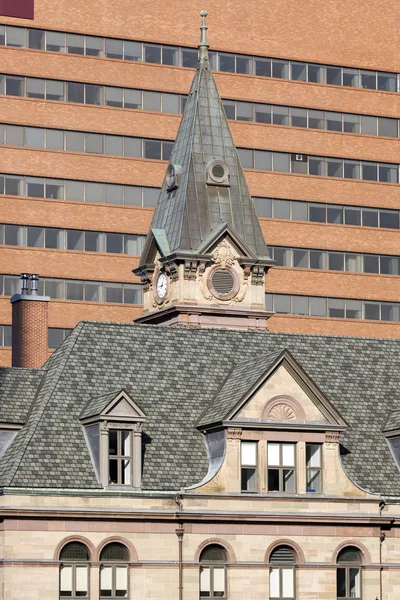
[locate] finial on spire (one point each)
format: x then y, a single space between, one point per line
203 46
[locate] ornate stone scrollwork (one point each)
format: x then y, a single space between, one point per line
223 255
281 412
332 438
234 433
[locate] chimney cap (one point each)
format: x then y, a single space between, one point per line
29 289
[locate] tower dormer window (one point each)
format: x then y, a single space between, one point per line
217 173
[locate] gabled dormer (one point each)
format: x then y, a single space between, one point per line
113 428
274 432
205 259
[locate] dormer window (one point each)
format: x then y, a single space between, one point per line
113 430
281 467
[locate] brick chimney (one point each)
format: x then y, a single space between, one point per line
29 325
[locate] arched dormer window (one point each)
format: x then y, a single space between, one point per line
213 572
74 571
114 579
281 574
348 574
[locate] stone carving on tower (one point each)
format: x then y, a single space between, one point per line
205 259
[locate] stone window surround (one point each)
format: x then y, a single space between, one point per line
316 437
95 551
136 430
107 422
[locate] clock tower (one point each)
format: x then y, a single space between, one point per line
205 259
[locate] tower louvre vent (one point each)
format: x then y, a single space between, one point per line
222 281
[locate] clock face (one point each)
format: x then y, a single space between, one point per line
161 286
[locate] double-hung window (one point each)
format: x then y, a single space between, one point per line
114 580
281 575
349 574
74 571
248 466
281 467
120 456
313 468
213 572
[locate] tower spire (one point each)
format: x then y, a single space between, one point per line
203 46
205 258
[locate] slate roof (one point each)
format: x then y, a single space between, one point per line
20 385
393 421
174 374
237 383
95 406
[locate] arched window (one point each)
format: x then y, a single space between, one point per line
114 571
281 574
349 574
213 572
74 571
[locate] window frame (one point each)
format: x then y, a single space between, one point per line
74 564
119 457
245 466
211 566
282 468
346 566
281 565
114 564
320 469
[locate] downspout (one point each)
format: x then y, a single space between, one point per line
381 540
180 533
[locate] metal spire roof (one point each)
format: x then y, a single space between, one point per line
192 212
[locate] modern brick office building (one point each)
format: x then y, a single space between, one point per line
90 101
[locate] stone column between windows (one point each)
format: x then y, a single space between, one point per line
301 467
137 457
104 454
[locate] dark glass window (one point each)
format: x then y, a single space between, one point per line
316 73
352 216
94 94
133 99
368 125
35 88
189 58
34 137
55 90
336 261
298 71
75 92
93 143
369 171
368 80
114 145
152 53
244 111
150 196
133 147
54 139
336 308
74 141
94 46
15 135
335 214
387 82
371 310
35 237
170 55
299 211
132 51
281 209
299 117
280 69
16 36
334 121
74 290
316 119
35 187
389 219
15 86
152 101
55 41
114 48
262 113
371 263
334 75
113 96
351 123
317 212
351 77
263 160
244 64
75 239
36 39
75 43
263 67
263 207
280 115
114 243
227 62
369 217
